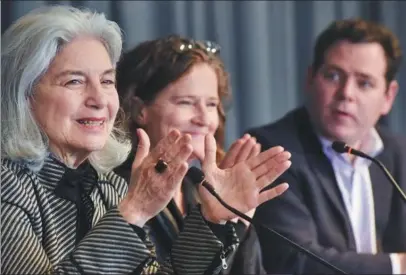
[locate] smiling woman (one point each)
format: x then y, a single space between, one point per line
169 81
22 80
175 83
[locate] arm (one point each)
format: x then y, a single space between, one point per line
27 247
112 245
24 253
197 249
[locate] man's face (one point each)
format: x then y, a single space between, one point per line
348 93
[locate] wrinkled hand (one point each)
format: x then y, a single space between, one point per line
149 191
241 185
241 150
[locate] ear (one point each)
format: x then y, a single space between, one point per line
138 111
390 96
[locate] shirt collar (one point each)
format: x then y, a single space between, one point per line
372 145
54 170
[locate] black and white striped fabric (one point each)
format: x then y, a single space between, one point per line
38 230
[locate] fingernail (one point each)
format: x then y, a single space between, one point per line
286 186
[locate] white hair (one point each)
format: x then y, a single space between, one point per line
27 50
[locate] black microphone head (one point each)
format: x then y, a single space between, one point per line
340 147
195 175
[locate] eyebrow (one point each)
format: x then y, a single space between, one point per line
365 75
81 73
362 74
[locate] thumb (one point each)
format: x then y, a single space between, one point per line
210 148
142 148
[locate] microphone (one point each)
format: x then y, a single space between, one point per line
197 177
341 147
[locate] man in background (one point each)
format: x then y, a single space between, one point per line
341 207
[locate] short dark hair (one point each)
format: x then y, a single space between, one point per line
360 31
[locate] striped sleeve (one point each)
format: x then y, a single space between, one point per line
111 247
197 250
22 252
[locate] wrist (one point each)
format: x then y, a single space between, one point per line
132 215
206 215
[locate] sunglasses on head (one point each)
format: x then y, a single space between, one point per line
209 47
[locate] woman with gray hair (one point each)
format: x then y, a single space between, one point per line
63 209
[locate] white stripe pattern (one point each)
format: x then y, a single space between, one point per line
38 230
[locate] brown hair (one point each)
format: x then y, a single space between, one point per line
146 70
360 31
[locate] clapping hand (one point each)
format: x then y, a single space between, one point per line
241 150
240 186
155 176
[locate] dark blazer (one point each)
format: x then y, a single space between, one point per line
40 226
312 211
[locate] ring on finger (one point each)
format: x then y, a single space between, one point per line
161 166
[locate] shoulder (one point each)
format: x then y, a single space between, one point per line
284 131
13 175
393 142
17 184
394 153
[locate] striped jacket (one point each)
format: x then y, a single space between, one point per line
38 229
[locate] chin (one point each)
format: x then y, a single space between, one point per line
343 134
94 145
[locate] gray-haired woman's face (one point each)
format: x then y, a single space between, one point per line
76 101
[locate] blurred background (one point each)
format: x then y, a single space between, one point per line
266 45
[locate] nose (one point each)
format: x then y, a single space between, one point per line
96 98
201 116
347 90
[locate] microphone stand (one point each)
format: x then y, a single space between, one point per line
389 177
341 147
198 173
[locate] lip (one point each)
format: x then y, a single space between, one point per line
92 127
92 118
343 114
